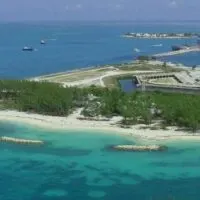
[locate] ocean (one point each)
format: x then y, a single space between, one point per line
72 45
78 165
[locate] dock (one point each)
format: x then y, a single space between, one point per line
182 51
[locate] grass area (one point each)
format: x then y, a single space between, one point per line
78 75
167 80
113 81
133 66
143 66
74 77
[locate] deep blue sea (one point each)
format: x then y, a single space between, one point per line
73 45
77 165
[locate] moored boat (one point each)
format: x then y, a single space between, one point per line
178 48
42 42
27 49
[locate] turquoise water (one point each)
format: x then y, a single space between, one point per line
73 45
76 165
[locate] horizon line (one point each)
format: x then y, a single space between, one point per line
99 20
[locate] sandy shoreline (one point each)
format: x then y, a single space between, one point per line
72 123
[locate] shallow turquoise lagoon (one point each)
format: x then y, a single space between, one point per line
77 165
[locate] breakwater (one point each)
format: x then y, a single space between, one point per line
182 51
20 141
138 148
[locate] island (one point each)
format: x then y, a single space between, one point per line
160 99
161 35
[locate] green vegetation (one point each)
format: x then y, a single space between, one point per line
52 99
113 81
144 58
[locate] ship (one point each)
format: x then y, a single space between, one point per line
179 47
42 42
27 49
137 50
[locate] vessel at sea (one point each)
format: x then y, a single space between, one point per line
136 50
27 49
179 47
42 42
157 45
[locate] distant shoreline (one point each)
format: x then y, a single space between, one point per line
168 37
105 127
161 35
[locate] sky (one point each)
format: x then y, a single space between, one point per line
20 10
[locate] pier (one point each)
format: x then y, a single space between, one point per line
182 51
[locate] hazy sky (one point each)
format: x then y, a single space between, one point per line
99 10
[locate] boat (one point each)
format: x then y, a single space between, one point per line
178 48
27 49
42 42
157 45
136 50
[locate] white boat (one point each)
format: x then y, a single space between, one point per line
42 42
27 49
157 45
136 50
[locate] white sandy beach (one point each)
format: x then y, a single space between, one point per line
72 123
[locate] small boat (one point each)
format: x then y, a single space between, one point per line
42 42
27 49
179 47
157 45
136 50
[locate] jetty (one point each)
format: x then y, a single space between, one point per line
182 51
141 148
20 141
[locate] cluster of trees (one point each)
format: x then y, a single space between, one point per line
179 109
43 97
52 99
